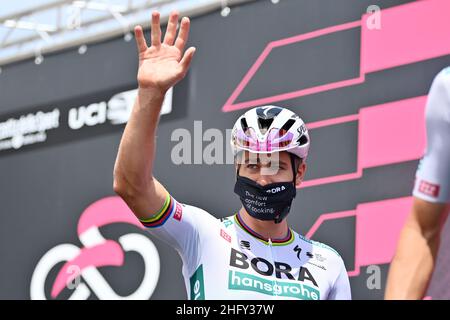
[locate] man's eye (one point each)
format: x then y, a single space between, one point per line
252 166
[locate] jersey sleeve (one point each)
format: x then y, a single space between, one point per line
180 226
433 174
341 287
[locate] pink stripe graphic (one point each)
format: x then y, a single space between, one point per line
388 133
230 106
332 179
332 122
106 211
378 226
109 253
409 33
392 132
328 216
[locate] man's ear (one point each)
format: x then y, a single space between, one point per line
300 174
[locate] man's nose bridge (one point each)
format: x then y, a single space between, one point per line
269 170
264 176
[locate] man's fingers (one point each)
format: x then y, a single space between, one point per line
187 58
140 40
183 34
156 29
171 30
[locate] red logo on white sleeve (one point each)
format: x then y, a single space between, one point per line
178 212
225 235
429 189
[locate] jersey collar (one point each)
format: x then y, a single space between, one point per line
275 242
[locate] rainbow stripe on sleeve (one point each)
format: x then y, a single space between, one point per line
162 215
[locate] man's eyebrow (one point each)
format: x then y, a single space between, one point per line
246 161
277 162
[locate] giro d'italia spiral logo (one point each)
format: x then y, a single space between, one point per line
80 270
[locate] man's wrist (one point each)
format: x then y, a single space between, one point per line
152 93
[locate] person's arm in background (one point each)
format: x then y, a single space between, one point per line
161 66
413 264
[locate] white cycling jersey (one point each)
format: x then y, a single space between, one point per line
433 173
224 259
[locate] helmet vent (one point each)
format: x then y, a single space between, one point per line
288 124
264 123
244 124
303 140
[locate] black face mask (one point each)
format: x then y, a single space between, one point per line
269 202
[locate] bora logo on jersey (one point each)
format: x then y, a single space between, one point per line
296 288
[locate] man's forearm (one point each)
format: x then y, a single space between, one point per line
161 66
135 158
412 266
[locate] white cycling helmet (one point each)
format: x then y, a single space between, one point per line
268 129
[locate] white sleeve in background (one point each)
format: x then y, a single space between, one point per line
341 288
433 174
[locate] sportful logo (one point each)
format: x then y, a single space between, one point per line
97 252
269 284
245 244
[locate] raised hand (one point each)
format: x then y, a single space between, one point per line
163 64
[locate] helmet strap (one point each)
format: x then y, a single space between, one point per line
238 155
294 168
